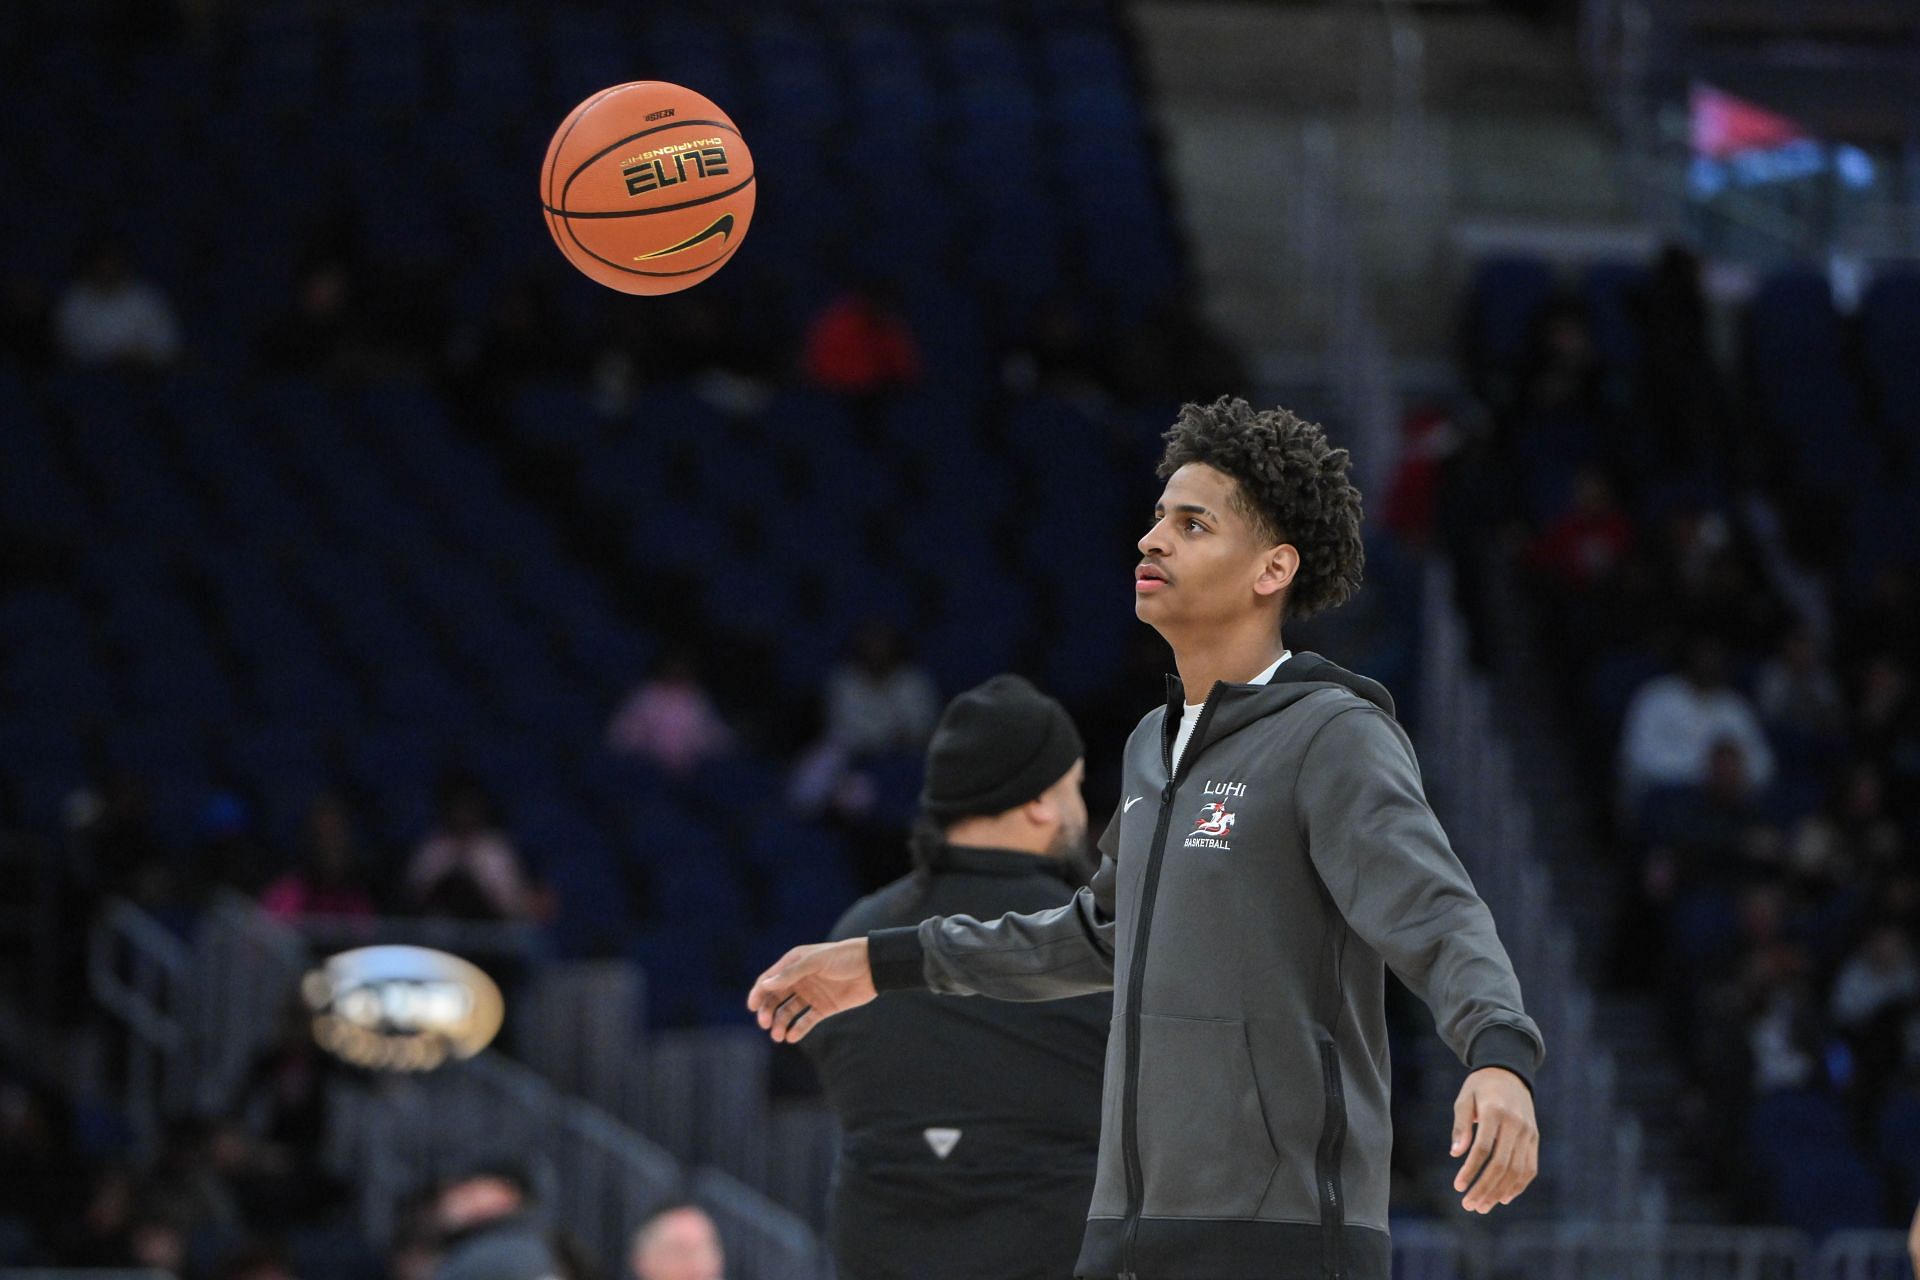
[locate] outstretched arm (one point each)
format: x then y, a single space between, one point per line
1043 955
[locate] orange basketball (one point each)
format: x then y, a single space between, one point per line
647 187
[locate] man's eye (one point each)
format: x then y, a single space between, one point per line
1193 524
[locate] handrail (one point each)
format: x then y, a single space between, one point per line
1592 1150
131 1002
1863 1255
151 1001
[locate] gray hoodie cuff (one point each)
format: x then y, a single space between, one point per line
1506 1047
897 959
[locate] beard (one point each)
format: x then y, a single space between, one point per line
1071 857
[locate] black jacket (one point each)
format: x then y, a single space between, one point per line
1015 1088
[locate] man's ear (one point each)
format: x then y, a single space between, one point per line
1040 811
1277 571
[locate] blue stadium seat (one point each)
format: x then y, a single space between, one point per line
1897 1136
1504 300
1802 1140
1611 290
679 961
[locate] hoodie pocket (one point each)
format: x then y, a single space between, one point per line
1204 1144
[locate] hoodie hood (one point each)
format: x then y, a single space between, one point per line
1234 706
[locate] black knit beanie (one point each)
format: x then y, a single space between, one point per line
997 746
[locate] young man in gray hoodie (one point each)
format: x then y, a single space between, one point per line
1272 856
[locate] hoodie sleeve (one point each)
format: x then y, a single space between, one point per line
1387 864
1043 955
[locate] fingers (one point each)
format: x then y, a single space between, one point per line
1463 1117
1487 1190
1476 1161
770 988
1503 1163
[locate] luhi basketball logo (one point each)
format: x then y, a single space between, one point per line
1211 828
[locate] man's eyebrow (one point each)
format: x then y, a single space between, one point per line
1195 509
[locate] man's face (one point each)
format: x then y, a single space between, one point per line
1203 560
1068 801
681 1246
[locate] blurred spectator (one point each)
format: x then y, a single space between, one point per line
1713 835
878 701
860 345
45 1176
227 848
468 869
670 720
1797 694
158 1243
1888 715
1563 372
1587 543
679 1242
329 882
1055 356
1428 437
284 1103
101 1233
1887 620
256 1263
110 316
323 332
1674 721
26 325
1875 999
1785 1034
488 1231
1853 835
1680 388
1175 353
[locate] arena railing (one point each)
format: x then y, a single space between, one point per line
83 1273
581 1024
1591 1145
198 1016
1864 1255
1631 1251
139 972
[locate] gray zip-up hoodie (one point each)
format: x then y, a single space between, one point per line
1244 914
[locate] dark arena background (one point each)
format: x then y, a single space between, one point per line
369 577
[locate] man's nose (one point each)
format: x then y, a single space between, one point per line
1152 542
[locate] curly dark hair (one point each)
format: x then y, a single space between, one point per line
1291 481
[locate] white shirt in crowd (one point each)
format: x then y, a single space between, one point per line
870 715
131 320
1672 726
1190 715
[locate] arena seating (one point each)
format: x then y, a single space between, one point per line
233 580
1805 457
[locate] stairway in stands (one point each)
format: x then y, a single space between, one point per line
1651 1080
1413 121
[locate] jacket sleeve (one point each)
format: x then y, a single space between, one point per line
1042 955
1387 864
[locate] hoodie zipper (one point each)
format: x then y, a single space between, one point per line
1137 978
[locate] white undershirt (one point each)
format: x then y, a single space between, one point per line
1190 716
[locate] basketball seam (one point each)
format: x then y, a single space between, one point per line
578 114
665 208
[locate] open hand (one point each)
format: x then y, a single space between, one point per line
810 984
1495 1114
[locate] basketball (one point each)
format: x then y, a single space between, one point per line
647 187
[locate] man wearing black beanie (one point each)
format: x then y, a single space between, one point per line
970 1127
